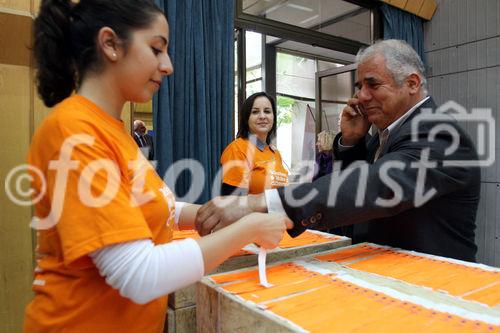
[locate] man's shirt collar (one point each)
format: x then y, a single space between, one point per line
385 133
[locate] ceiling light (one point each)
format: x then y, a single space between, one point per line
272 9
309 19
299 7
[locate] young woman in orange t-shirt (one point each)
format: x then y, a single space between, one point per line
105 260
251 164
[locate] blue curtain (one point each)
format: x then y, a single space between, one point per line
193 111
399 24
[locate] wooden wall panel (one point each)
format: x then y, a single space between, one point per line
454 84
471 21
443 25
422 8
492 51
15 237
497 115
481 6
428 37
462 45
40 111
462 19
498 47
453 59
127 116
15 5
481 88
453 23
498 18
462 88
471 56
445 61
414 6
16 98
472 79
36 6
428 9
462 57
481 53
14 47
399 3
432 34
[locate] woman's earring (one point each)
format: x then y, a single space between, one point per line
114 56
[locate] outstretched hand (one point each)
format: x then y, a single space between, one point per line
221 212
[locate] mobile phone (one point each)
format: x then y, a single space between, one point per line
357 108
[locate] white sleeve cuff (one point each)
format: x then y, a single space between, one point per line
141 271
178 208
341 146
273 202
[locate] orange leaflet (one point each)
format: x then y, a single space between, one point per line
472 283
350 254
324 303
287 280
253 274
306 238
345 307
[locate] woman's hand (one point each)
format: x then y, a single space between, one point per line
267 229
223 211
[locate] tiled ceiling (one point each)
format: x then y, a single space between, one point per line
334 17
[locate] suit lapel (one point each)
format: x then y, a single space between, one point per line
372 147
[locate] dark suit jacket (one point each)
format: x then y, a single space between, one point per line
147 141
444 225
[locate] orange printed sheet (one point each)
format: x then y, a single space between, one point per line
326 303
469 282
306 238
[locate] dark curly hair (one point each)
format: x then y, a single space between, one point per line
65 34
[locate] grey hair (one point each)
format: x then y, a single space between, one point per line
400 58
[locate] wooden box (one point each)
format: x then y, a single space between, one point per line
361 288
309 242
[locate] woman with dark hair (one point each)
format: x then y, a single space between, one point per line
251 164
104 217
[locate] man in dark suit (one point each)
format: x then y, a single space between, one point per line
144 140
406 186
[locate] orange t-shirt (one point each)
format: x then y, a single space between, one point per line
110 194
254 166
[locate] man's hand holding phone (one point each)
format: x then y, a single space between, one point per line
353 122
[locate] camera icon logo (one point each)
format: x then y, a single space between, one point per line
479 122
